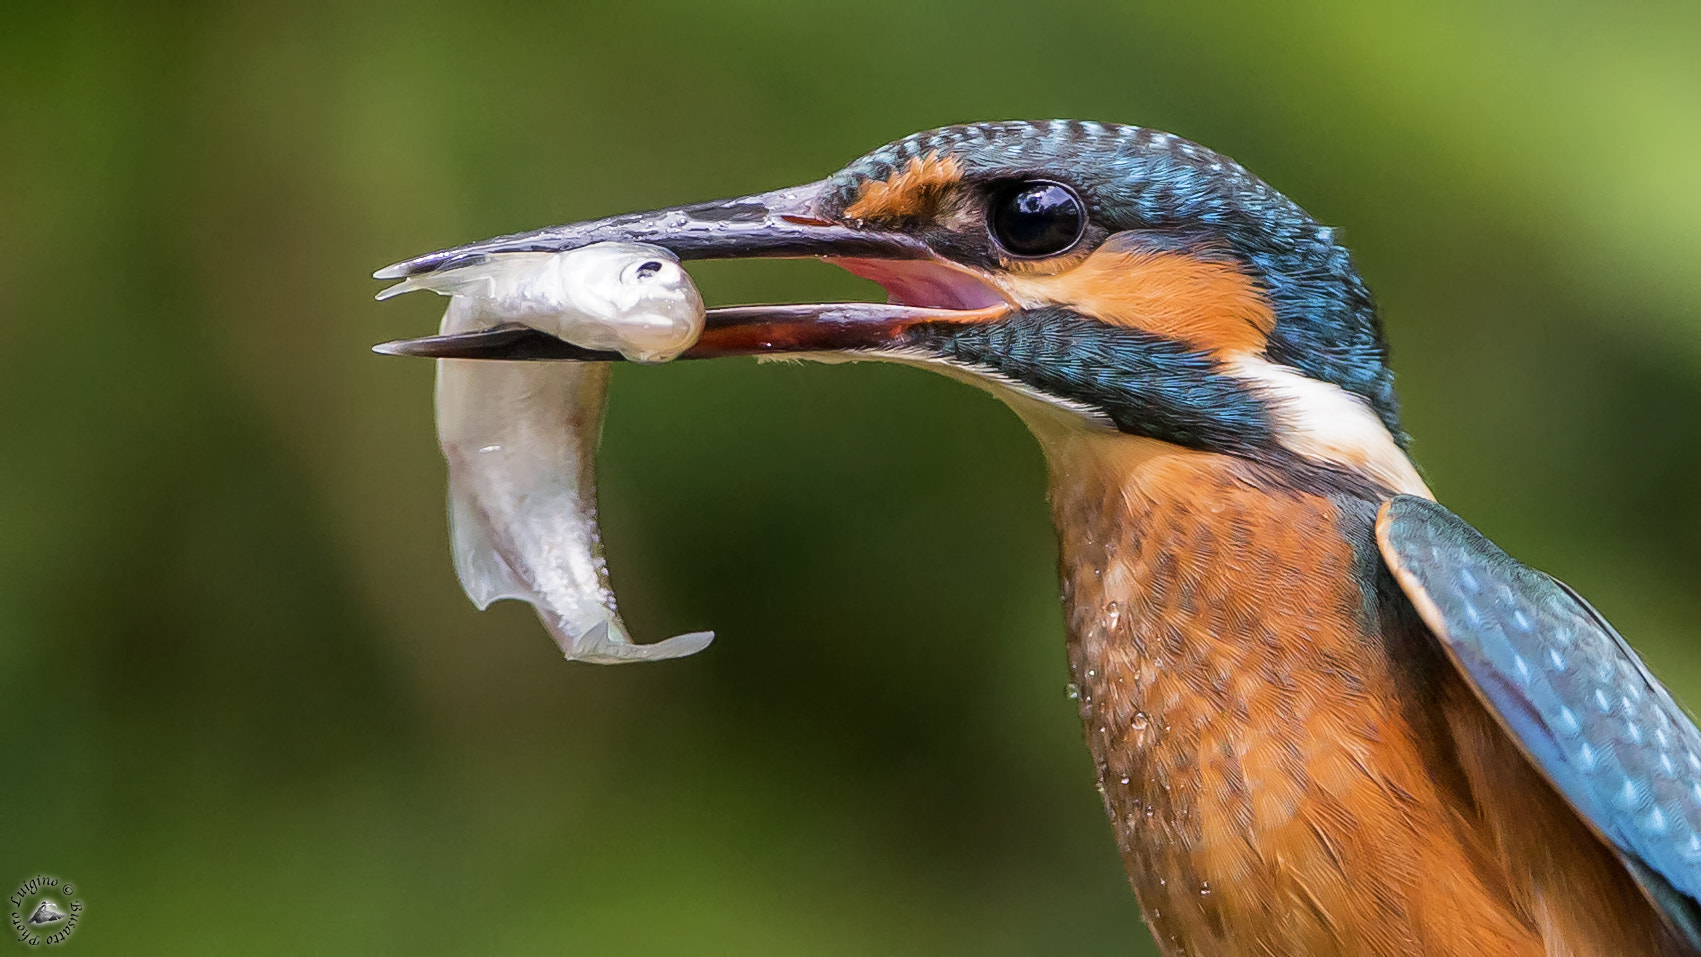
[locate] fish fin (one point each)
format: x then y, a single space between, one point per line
485 575
476 277
607 643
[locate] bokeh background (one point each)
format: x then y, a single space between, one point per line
244 704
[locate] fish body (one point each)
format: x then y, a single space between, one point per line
521 438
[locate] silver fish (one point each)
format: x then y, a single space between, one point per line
521 437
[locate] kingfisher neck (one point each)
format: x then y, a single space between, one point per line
1154 538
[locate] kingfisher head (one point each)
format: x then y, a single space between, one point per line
1102 279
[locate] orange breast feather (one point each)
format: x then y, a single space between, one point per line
1277 760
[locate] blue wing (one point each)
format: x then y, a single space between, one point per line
1568 689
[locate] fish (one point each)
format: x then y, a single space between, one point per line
521 438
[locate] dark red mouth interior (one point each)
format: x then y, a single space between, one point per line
916 282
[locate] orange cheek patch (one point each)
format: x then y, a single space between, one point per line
910 193
1212 306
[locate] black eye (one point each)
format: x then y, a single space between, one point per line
1038 219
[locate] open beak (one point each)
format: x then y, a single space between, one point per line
784 224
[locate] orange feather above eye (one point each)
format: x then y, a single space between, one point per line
1211 305
910 193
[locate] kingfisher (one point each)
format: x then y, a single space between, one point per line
1327 716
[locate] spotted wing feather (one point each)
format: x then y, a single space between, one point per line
1569 689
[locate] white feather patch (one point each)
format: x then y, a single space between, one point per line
1325 423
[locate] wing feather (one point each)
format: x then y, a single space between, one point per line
1568 689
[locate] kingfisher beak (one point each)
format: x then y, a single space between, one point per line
784 224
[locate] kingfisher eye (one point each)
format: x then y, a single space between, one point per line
1038 219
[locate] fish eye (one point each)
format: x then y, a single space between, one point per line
1038 218
648 269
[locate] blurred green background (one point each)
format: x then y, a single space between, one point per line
244 703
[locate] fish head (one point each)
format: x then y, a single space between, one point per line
631 298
